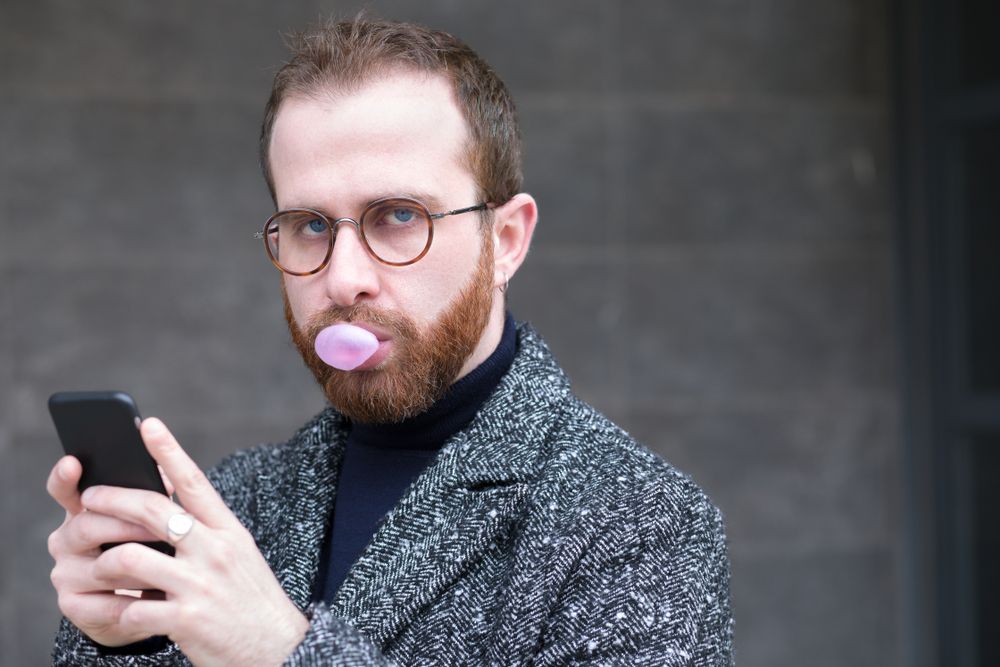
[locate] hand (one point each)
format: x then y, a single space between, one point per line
75 546
222 604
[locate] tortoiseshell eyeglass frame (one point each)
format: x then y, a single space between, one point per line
332 226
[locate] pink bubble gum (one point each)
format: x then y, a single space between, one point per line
345 346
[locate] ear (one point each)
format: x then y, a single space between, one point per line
513 227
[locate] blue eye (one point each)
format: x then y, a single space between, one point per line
402 214
317 226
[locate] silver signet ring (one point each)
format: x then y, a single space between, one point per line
178 526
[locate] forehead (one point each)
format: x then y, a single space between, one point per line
397 133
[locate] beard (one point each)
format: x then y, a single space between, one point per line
421 366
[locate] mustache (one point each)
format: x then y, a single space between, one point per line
399 325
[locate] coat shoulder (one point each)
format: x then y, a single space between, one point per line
598 468
642 557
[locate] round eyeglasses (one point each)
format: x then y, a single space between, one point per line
396 231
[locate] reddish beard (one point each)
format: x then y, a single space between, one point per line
420 368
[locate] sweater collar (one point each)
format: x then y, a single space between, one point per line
452 412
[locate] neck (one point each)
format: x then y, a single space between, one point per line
493 332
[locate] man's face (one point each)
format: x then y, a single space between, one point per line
400 135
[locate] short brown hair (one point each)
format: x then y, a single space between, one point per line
347 53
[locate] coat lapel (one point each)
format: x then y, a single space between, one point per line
441 525
461 505
300 506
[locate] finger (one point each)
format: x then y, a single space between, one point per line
63 483
136 566
99 611
79 575
193 489
149 509
89 530
153 616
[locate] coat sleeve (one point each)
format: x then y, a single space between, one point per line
330 642
651 589
74 649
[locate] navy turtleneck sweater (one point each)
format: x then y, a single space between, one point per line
381 460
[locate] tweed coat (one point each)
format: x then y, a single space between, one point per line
542 534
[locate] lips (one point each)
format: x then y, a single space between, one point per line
381 334
380 354
385 342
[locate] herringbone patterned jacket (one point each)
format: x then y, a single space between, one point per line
541 535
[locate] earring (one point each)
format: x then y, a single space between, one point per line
506 282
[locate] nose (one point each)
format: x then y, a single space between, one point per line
351 275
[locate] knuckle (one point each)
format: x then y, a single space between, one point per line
111 564
102 566
57 577
86 532
222 555
193 481
69 605
55 486
54 543
188 616
130 615
152 507
129 556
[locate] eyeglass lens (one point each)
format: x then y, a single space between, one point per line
396 231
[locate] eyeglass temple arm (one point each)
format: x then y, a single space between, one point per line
477 207
260 234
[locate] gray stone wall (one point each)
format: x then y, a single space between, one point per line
712 266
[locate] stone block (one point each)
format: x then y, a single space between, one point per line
8 506
826 48
33 515
158 184
573 303
744 324
818 478
193 345
822 609
534 46
566 169
8 612
186 48
762 175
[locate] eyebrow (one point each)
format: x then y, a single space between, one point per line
432 203
426 198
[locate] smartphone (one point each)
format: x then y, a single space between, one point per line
101 429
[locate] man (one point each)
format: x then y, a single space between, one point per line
456 504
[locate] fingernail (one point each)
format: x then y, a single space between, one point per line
87 495
154 425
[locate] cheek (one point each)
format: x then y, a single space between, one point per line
297 294
442 280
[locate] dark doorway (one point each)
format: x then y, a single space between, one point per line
947 102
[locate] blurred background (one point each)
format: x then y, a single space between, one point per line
767 248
